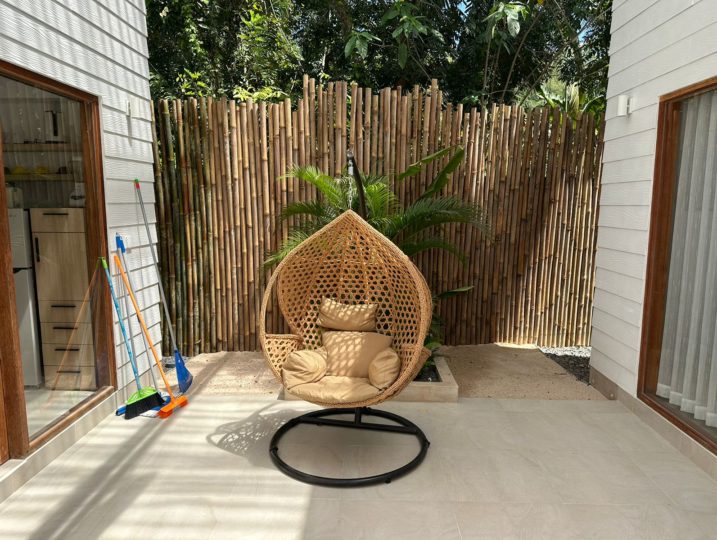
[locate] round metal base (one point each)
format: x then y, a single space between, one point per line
319 418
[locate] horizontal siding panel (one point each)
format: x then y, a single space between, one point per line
19 27
126 12
121 169
99 16
627 11
618 307
630 146
625 217
118 123
621 262
127 149
623 377
122 191
128 214
641 119
136 232
620 285
17 53
660 19
627 334
625 356
623 240
68 23
626 194
698 45
636 169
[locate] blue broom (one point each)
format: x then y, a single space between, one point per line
184 377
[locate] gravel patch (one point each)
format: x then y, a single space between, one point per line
574 360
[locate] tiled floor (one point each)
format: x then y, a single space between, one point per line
496 469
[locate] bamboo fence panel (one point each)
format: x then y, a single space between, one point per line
221 180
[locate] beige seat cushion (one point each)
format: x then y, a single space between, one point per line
338 316
384 369
350 353
304 366
331 389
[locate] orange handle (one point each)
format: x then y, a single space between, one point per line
144 326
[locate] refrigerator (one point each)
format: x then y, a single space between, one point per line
21 246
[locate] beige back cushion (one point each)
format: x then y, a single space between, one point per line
384 369
350 353
355 318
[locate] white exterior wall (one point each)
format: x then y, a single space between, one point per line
657 46
100 47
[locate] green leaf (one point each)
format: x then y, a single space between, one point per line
416 167
350 46
442 178
362 47
402 54
454 292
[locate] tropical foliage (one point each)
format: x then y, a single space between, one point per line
480 51
414 228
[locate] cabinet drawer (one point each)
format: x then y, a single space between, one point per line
64 333
68 356
64 312
70 378
60 266
57 220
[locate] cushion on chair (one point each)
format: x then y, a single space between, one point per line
350 353
331 389
305 366
384 369
338 316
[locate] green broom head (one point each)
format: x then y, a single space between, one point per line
142 401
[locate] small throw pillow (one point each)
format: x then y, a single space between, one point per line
350 353
384 369
304 366
354 318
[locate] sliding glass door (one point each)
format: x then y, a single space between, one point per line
679 345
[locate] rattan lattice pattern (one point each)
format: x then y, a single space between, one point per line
351 262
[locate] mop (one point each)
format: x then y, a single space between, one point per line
174 401
121 250
144 399
184 377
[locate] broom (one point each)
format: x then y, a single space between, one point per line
184 377
144 399
126 305
174 401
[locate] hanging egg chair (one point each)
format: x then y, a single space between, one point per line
358 310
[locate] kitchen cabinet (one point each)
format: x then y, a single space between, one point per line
62 283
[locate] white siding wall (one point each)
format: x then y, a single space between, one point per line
100 46
657 46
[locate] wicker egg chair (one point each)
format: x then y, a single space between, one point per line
350 262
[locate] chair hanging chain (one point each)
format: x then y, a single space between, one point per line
354 170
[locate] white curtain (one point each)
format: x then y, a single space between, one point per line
688 364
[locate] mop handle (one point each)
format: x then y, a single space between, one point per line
138 312
121 324
121 247
156 266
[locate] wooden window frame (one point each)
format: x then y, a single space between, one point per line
658 257
15 441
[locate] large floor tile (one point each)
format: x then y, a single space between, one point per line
598 478
397 520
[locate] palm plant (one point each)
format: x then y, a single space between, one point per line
414 228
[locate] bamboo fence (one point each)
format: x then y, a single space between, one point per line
220 180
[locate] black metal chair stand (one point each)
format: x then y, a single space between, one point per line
319 418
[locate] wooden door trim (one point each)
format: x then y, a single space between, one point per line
96 239
13 421
658 253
